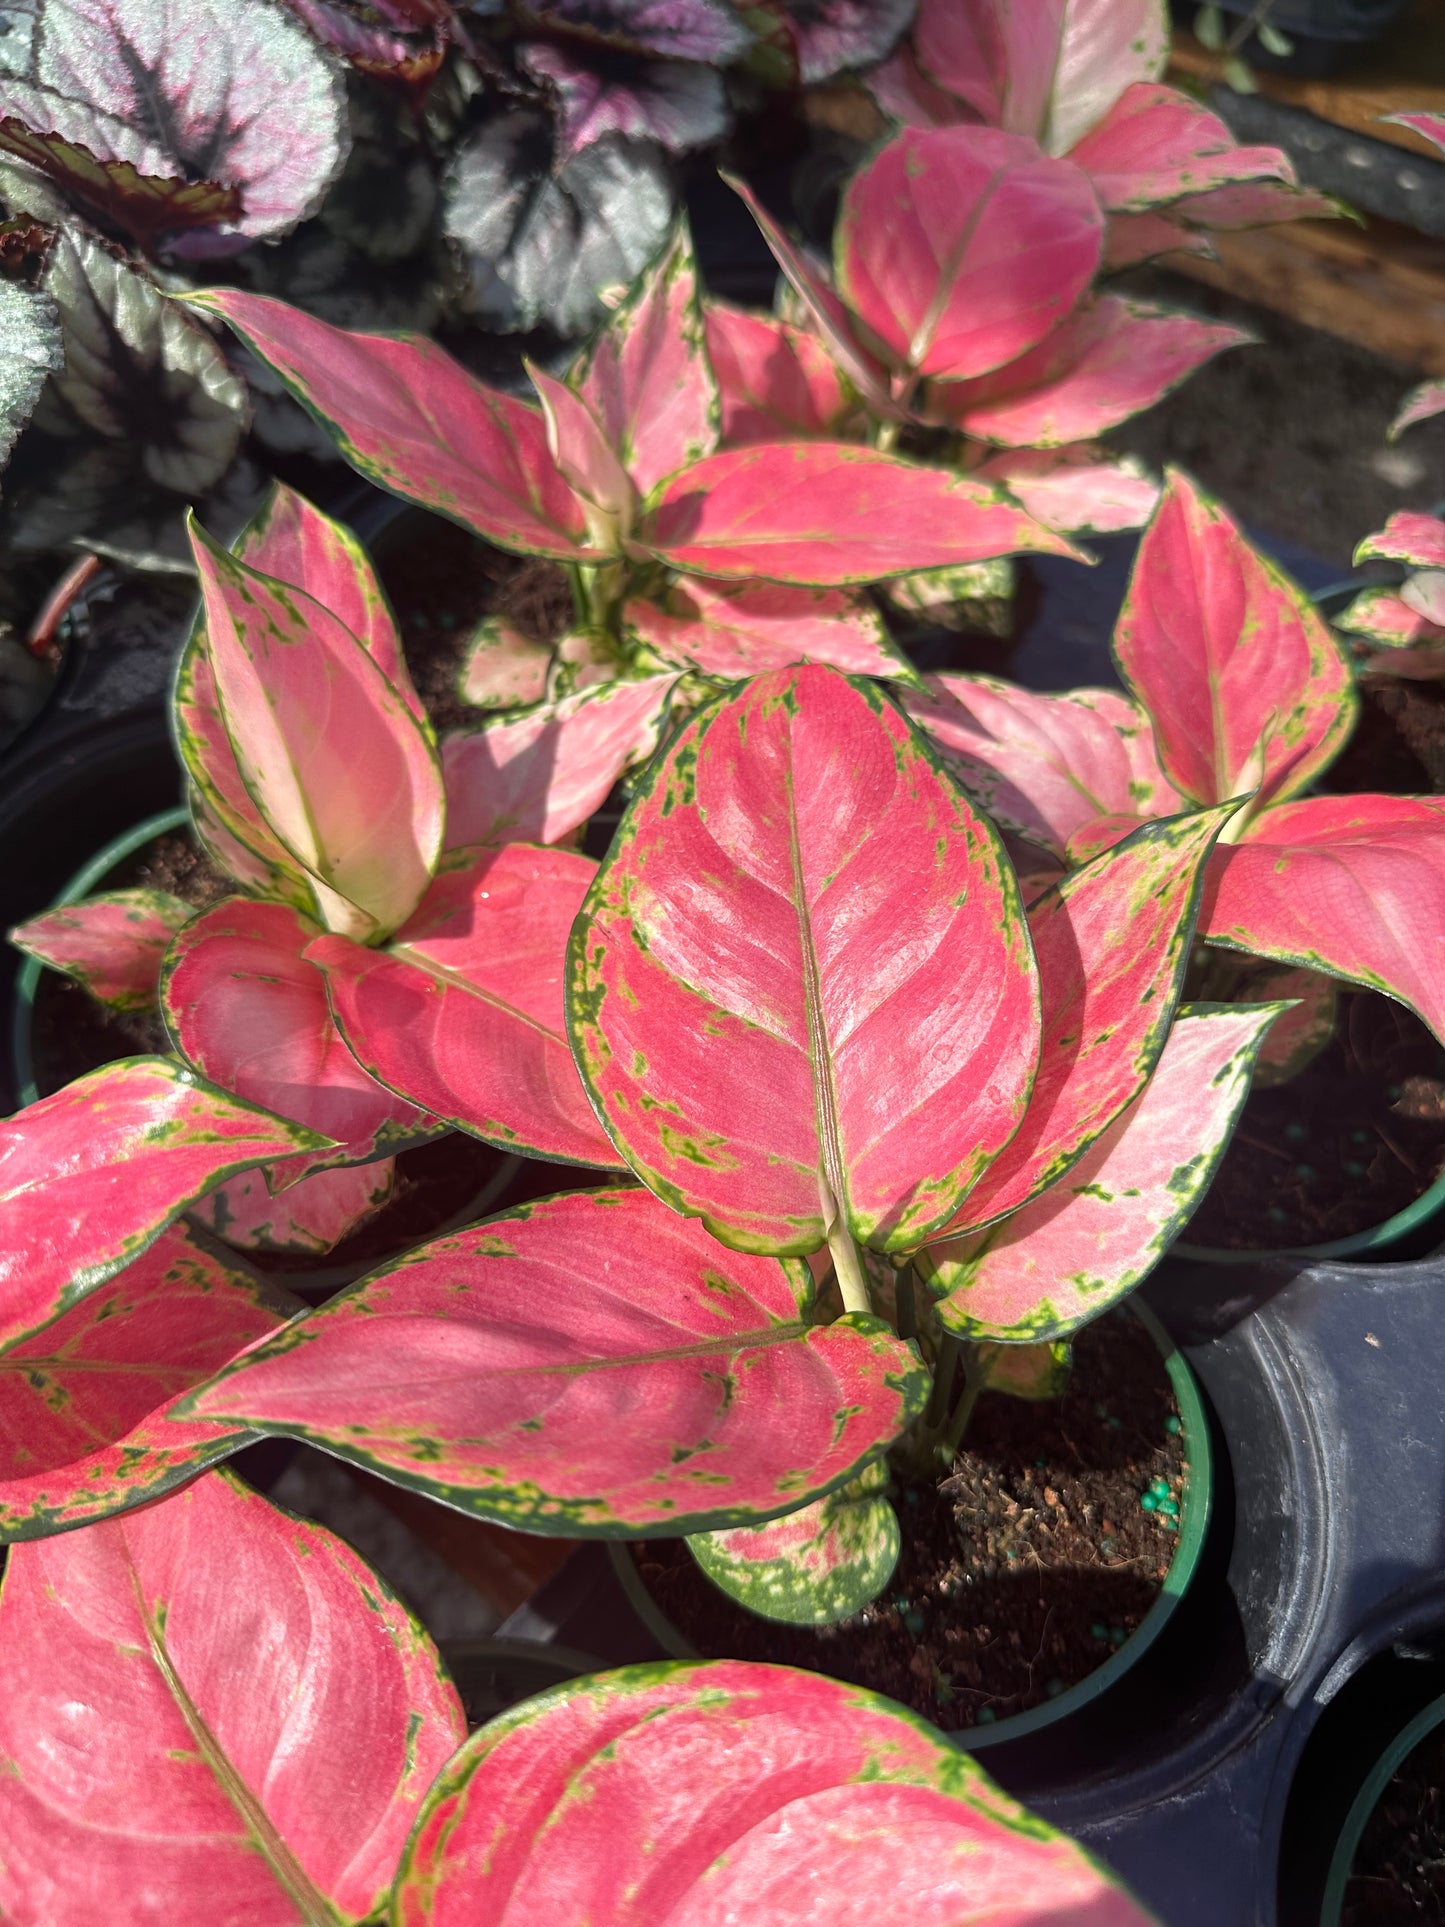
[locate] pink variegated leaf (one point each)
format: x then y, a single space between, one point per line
1156 144
1306 1022
905 93
1132 238
814 1566
250 1719
536 778
1112 942
679 104
411 420
1250 204
774 381
502 668
1410 537
587 459
801 991
463 1014
752 627
1419 405
1351 885
961 248
1101 833
85 1403
1081 1246
343 774
1076 489
1388 620
1431 126
964 51
244 1007
113 944
310 1217
647 378
1109 360
827 514
735 1792
92 1175
1246 686
1424 592
596 1365
1044 766
820 300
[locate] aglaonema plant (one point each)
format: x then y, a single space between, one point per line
813 1017
1405 624
210 1703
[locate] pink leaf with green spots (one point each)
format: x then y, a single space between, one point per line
503 669
1387 619
1044 766
735 1792
84 1404
1245 685
752 627
586 458
800 990
249 1720
1108 361
1351 885
536 778
1156 144
827 514
960 248
245 1007
310 1217
92 1175
113 944
1419 405
814 1566
1431 126
1083 1244
1254 204
775 381
343 774
1112 942
647 378
1075 489
463 1013
411 420
1132 238
593 1364
1408 536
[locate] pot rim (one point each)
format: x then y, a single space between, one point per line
1194 1525
1367 1799
1379 1237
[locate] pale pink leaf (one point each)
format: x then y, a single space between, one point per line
1250 204
309 1218
1075 489
905 93
1408 536
502 668
775 381
587 459
1156 144
749 628
1387 619
209 1710
1419 405
1131 238
112 944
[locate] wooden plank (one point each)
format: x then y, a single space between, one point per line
1382 286
1404 71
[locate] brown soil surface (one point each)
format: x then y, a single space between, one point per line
1398 1877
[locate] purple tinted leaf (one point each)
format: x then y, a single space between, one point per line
706 30
834 35
673 102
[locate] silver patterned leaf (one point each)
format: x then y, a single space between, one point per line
29 350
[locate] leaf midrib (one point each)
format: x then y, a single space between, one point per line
824 1090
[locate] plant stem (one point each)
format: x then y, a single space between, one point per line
581 599
973 1383
950 1350
46 625
887 438
849 1268
905 1301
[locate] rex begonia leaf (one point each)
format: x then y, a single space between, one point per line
960 248
111 944
343 774
411 420
705 30
748 628
544 244
1156 144
1419 405
734 1792
1111 941
378 39
1051 69
139 372
827 514
801 989
646 377
1076 489
1351 885
1408 536
310 1217
84 1428
92 1175
30 349
1044 766
1109 360
774 381
814 1566
463 1013
170 118
1245 684
535 778
679 104
591 1364
244 1007
1079 1247
250 1717
834 36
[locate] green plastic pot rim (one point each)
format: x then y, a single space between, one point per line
1378 1238
1365 1802
1194 1524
